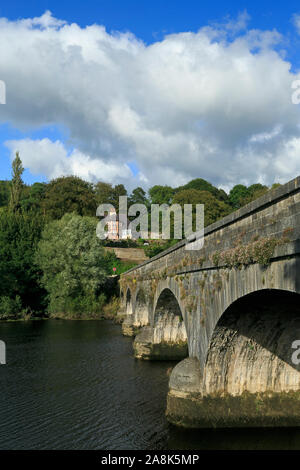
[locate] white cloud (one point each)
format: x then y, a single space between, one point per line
265 136
52 159
199 104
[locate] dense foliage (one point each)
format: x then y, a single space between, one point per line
69 194
214 209
19 236
74 266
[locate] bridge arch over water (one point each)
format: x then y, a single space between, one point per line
251 346
168 321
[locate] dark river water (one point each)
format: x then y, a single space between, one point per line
76 385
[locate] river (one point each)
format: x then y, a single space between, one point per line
76 385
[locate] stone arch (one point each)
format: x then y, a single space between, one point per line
251 346
141 310
226 286
168 322
128 302
169 286
167 302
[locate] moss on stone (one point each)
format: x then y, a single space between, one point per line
246 410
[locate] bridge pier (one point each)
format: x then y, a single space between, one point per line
127 326
137 316
128 322
190 408
166 341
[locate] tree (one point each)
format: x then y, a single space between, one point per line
236 194
138 196
240 195
16 183
69 194
19 235
213 208
33 197
202 185
105 193
74 266
254 192
161 194
119 190
4 193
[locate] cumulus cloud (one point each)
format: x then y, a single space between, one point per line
214 104
52 159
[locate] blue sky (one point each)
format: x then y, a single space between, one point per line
150 22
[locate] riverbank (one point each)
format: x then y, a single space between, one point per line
110 312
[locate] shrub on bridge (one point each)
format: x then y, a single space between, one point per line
259 251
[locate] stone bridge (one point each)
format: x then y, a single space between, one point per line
230 313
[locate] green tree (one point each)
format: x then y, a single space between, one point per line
69 194
213 208
161 194
33 197
74 266
16 183
202 185
19 235
4 193
138 196
236 195
119 190
254 192
105 193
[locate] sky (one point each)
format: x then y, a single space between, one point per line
144 93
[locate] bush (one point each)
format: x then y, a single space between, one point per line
155 248
128 243
10 308
110 310
81 307
259 251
